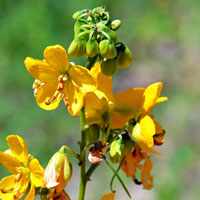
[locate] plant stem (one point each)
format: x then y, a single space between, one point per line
82 184
112 180
90 171
119 178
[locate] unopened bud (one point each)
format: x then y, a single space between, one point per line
109 66
116 151
76 15
58 172
125 58
103 47
92 133
115 24
112 52
92 48
77 48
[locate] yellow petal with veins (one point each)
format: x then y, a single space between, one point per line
18 148
11 189
9 162
104 83
131 97
40 70
82 78
46 92
75 98
56 56
151 97
36 172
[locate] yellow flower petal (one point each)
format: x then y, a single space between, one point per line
36 172
9 162
108 196
104 83
56 56
144 131
151 97
18 148
149 150
75 98
147 179
82 78
10 189
46 92
147 130
118 121
94 108
31 194
40 70
131 97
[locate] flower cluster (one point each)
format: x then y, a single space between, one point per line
120 125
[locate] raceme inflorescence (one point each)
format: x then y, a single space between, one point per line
117 129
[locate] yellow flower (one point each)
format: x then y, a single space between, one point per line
108 196
26 170
57 79
57 173
141 101
99 104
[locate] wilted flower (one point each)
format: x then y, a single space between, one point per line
57 173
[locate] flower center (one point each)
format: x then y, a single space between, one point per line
59 93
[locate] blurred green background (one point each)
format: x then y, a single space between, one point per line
164 36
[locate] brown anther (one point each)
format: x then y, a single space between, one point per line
3 190
17 195
18 177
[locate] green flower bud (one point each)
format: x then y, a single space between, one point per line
107 49
92 133
77 48
103 47
109 66
125 58
92 48
112 34
115 24
76 15
108 31
116 149
112 52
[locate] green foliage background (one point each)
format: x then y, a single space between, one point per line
164 36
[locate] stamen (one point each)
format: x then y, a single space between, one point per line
17 195
3 190
18 177
59 90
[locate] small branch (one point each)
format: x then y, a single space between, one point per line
112 180
119 178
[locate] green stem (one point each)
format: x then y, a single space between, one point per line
70 151
112 180
82 184
119 178
90 171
